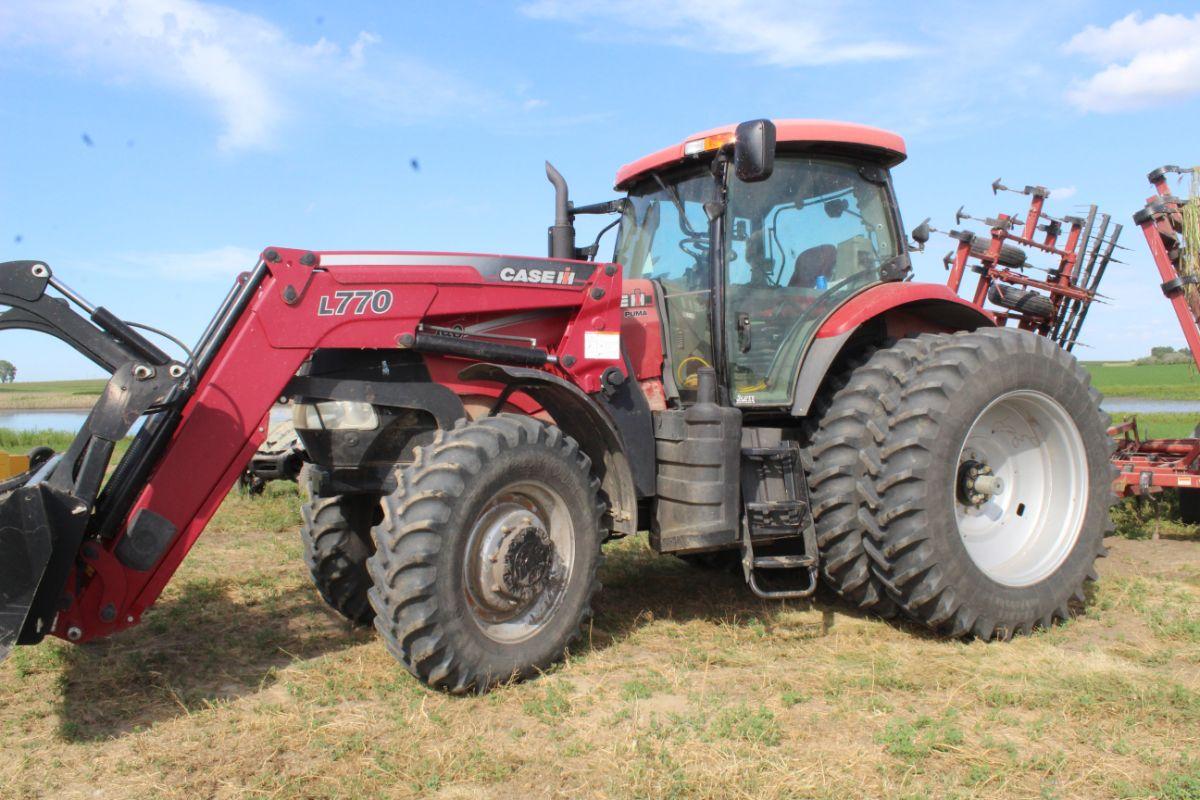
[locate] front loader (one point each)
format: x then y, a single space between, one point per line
753 373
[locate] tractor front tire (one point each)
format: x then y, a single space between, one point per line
995 485
336 533
487 553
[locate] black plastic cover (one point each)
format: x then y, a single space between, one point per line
146 540
699 454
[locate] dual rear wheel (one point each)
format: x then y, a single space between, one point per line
964 479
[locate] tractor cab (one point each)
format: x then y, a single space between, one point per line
753 236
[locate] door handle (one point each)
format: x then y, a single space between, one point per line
743 331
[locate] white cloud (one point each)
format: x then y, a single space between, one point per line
784 33
1063 192
1144 63
250 72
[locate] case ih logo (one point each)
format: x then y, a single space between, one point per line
565 277
636 299
635 304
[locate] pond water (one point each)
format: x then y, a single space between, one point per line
70 419
1140 405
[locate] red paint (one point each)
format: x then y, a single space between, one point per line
961 253
226 418
885 297
890 145
641 328
1147 466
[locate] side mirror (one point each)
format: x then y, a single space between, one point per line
754 150
836 207
920 235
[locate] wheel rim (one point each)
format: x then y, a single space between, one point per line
1021 488
519 561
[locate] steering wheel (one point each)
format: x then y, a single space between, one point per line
829 290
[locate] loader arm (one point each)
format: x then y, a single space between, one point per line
211 420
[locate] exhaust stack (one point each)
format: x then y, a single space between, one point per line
562 232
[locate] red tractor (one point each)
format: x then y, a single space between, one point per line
753 374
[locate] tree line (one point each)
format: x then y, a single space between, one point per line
1167 355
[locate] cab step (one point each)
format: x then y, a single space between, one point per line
784 562
779 540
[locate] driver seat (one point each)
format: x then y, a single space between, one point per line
813 263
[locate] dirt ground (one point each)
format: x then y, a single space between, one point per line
240 684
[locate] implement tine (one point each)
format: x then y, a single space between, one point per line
1085 237
1062 325
1098 239
1104 262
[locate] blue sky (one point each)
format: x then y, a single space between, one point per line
149 149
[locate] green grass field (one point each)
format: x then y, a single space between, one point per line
50 394
21 442
1157 425
1152 381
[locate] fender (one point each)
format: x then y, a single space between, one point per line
902 307
583 419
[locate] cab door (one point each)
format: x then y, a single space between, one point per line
800 243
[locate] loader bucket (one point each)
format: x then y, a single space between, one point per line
46 509
38 538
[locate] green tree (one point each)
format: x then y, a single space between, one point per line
8 373
1159 352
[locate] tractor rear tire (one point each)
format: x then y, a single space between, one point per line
844 449
487 553
995 485
336 532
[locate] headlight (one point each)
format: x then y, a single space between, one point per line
335 415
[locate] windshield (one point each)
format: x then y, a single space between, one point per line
664 235
800 242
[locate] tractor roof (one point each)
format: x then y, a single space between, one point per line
790 134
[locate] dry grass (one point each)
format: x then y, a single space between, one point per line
239 684
1189 264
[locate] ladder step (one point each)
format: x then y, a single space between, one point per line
775 518
781 453
783 562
